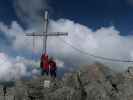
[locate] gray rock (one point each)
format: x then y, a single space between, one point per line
93 82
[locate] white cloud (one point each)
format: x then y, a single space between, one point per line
13 68
18 35
10 70
59 63
106 42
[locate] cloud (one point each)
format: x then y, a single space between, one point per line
29 11
105 41
60 63
9 69
17 35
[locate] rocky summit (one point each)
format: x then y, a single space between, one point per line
93 82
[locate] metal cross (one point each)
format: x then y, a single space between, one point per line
46 34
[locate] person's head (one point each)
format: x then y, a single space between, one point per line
46 55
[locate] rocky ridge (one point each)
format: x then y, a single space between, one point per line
93 82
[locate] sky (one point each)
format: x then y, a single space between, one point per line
93 13
97 13
99 27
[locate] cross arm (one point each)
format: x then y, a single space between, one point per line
57 34
48 34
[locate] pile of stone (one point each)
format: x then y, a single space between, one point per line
93 82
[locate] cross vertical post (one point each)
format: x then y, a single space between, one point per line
45 32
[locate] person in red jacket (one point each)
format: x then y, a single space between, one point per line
44 64
53 68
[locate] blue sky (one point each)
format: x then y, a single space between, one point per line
93 13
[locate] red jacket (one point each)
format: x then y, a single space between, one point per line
44 62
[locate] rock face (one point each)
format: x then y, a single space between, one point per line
93 82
